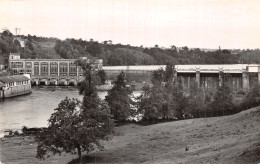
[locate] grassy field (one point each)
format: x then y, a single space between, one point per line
227 139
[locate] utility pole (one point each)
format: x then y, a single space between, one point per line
17 30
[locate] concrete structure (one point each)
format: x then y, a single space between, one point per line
14 85
141 73
50 71
237 76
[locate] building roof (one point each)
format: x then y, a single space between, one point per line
215 68
2 84
15 78
134 68
15 54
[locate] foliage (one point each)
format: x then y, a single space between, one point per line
251 97
222 100
119 54
67 50
152 103
77 125
177 104
169 72
93 48
158 76
126 56
196 103
160 101
102 75
119 100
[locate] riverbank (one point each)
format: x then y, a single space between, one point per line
227 139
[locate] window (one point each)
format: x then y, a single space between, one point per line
28 65
73 67
44 67
63 68
15 71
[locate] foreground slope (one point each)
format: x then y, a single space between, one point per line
228 139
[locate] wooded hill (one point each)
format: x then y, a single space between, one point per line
119 54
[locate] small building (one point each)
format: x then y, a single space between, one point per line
14 85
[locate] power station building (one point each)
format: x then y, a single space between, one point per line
50 71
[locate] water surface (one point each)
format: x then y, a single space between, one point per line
34 110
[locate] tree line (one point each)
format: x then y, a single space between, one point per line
119 54
167 100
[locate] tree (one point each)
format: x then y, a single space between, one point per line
195 101
152 103
169 71
94 48
251 97
158 76
177 103
77 125
119 100
103 76
17 43
222 100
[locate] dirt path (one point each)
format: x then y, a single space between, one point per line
229 139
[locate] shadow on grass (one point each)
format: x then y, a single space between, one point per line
93 159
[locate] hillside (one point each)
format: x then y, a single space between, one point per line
47 50
118 54
227 139
130 56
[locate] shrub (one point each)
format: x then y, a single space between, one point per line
241 92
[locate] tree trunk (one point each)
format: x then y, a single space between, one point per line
79 151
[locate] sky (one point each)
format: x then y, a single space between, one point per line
193 23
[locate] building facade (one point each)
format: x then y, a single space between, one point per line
236 76
50 71
14 85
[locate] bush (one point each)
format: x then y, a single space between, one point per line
241 92
24 129
16 133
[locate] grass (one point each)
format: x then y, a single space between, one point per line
227 139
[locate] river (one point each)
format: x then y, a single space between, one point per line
33 110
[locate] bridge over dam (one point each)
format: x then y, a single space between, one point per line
236 76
